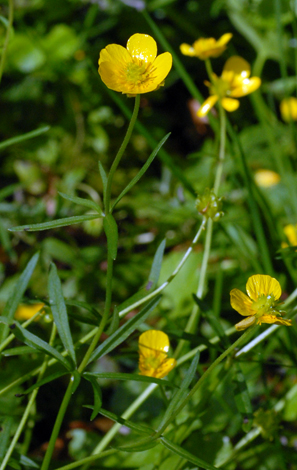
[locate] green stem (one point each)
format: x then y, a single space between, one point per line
220 164
28 407
119 155
5 46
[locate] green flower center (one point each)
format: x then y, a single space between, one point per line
220 88
264 304
136 73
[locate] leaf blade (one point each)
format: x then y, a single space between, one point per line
83 202
77 219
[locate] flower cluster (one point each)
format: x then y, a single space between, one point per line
259 306
153 348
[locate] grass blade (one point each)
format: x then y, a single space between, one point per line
77 219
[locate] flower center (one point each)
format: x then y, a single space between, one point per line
263 304
153 362
136 73
220 88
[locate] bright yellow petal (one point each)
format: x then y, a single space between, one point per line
165 368
262 284
229 104
247 86
24 312
291 233
113 63
188 50
153 340
159 70
238 66
207 105
266 178
274 319
243 324
241 303
142 47
288 109
224 39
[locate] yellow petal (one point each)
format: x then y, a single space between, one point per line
238 66
24 312
207 105
291 233
262 284
142 47
241 303
229 104
224 39
159 70
266 178
247 86
113 62
165 368
288 109
243 324
153 341
274 319
188 50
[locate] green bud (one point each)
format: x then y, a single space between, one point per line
209 205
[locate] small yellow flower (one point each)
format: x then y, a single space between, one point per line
291 234
204 48
25 312
259 305
266 178
136 69
288 109
153 349
233 83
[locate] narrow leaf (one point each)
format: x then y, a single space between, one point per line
83 202
142 170
44 381
77 219
242 398
176 449
115 321
17 294
141 428
6 428
59 311
103 176
75 378
86 306
111 231
139 446
34 341
213 320
18 351
124 331
182 392
156 266
135 377
97 396
21 138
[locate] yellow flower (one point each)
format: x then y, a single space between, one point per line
153 349
204 48
136 69
288 109
266 178
233 83
25 312
291 234
259 305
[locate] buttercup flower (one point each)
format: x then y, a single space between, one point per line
233 83
153 348
266 178
136 69
259 305
204 48
288 109
25 312
291 234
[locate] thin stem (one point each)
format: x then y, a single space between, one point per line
120 154
11 337
28 407
5 46
219 171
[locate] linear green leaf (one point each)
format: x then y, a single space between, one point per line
17 294
186 455
135 377
44 381
6 428
156 266
103 176
124 331
97 395
59 311
21 138
182 392
18 351
34 341
77 219
84 305
141 428
142 170
83 202
111 231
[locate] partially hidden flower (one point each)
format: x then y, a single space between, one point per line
153 348
136 69
234 82
259 306
25 312
266 178
204 48
291 234
288 109
209 205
